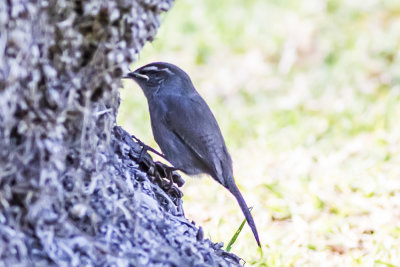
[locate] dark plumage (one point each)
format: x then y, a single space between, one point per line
185 128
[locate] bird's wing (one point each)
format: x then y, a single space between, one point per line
193 122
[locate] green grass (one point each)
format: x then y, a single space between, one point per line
307 95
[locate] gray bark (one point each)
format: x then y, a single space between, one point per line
71 190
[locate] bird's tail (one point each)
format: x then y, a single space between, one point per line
232 187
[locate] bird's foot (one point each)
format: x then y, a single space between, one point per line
171 176
146 148
164 175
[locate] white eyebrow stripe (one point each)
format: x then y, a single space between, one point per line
154 68
167 70
151 68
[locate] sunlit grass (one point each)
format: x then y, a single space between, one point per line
307 95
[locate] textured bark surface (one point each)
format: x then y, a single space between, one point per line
71 192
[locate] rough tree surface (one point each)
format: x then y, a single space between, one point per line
71 192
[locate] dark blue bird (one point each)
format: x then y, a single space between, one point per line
185 128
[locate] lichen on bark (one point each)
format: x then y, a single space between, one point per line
71 190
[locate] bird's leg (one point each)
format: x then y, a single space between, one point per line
142 152
146 148
160 170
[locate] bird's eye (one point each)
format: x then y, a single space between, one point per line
148 72
154 75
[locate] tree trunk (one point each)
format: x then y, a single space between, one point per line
71 190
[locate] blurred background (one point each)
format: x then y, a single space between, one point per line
307 96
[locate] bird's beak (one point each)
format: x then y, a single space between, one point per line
136 76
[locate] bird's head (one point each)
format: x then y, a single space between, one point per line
161 78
